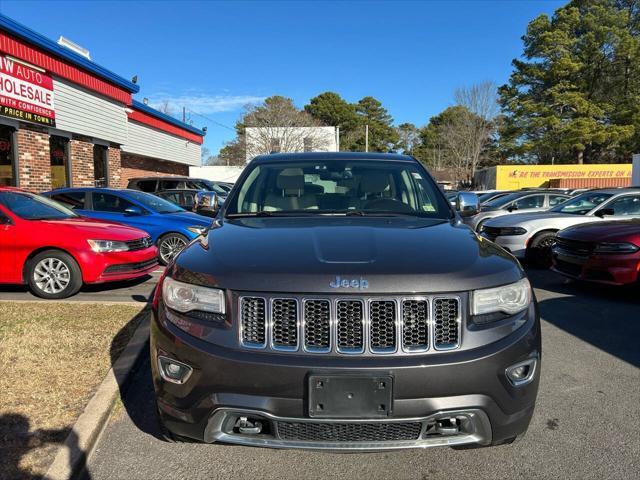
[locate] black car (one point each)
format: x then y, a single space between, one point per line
339 302
160 184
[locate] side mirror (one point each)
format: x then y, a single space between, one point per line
513 207
207 204
467 204
133 212
5 220
605 211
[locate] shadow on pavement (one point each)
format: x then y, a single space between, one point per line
139 402
16 441
607 317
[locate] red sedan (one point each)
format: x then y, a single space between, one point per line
604 252
55 251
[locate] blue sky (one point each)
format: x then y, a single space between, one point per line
215 57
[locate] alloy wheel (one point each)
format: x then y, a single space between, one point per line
170 247
52 275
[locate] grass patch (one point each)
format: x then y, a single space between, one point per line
52 358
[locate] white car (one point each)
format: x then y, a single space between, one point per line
531 235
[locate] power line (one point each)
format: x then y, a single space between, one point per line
211 120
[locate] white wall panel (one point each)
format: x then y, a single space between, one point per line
148 141
85 113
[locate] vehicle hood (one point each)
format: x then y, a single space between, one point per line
612 231
188 218
394 255
89 228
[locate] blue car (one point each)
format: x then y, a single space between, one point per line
170 226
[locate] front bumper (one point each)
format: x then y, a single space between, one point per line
117 266
514 244
229 383
607 269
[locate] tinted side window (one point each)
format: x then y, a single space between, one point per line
105 202
556 200
72 200
534 201
628 205
146 185
172 197
171 184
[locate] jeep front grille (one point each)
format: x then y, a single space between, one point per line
382 325
446 314
317 326
284 323
350 316
350 326
415 325
254 321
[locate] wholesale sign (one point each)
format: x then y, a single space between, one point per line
26 94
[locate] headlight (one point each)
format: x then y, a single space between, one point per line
185 297
622 247
509 299
511 231
102 246
197 230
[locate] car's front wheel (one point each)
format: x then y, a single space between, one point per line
53 274
170 245
539 251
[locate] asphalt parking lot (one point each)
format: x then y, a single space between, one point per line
586 423
138 291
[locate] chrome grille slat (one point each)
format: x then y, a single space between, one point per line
350 326
382 326
284 324
415 325
317 325
253 321
446 323
363 325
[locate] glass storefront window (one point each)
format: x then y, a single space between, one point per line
100 166
59 161
7 163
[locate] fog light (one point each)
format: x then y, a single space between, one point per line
173 371
522 373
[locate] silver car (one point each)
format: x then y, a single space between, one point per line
524 201
531 235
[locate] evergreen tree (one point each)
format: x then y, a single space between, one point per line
576 94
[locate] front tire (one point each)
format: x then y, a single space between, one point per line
53 274
169 246
540 250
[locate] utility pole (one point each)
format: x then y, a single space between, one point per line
337 139
366 138
184 115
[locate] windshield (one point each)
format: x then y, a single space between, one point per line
486 197
582 204
339 187
157 204
211 186
503 200
34 207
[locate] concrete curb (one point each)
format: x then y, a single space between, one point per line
76 302
71 459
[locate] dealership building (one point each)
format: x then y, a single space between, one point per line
66 121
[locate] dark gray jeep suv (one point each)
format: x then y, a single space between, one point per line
338 302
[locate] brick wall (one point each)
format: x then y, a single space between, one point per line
81 154
139 166
115 168
34 161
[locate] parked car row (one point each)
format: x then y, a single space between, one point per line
594 236
55 251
